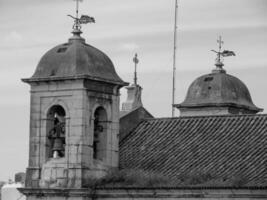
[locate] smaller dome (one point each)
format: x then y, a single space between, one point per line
76 59
219 89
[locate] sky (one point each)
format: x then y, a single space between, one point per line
29 28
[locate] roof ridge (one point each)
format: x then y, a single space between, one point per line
128 112
208 116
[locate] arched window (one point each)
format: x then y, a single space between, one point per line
56 132
100 130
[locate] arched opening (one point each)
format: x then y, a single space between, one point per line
100 133
56 138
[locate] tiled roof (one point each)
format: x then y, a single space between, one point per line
223 146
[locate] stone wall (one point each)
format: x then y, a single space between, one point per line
79 99
149 194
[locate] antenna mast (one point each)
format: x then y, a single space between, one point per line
174 58
77 9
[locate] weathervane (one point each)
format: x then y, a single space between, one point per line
136 61
84 19
221 54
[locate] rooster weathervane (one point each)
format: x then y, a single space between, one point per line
84 19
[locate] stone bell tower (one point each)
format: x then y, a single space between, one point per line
74 118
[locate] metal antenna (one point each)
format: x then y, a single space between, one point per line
174 58
77 8
136 61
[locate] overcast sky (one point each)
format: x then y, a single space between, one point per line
29 28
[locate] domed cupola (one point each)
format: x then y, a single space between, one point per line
217 93
75 59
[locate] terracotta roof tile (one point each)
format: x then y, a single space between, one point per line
225 146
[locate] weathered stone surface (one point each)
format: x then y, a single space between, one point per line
133 101
79 105
148 194
79 59
217 91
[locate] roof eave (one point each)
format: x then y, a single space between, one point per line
57 78
202 105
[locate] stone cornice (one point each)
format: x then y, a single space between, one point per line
194 192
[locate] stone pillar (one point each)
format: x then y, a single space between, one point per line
133 100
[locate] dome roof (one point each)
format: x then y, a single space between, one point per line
76 59
218 89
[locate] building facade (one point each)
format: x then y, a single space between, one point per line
215 150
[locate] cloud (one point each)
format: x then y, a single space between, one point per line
13 37
129 46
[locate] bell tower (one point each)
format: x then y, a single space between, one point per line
74 117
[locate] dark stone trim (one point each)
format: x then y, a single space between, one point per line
183 192
32 80
203 105
187 188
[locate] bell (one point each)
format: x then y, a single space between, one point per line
58 146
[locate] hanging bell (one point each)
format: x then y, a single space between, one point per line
58 146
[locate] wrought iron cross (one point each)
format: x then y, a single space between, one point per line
220 42
221 54
218 59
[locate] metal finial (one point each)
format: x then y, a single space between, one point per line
219 61
84 19
136 61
